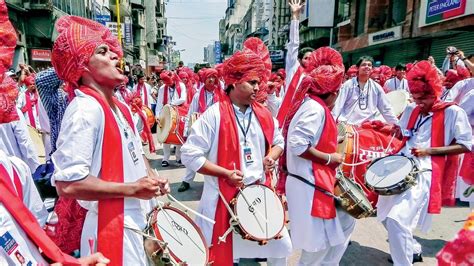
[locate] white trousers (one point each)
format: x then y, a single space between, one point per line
401 242
167 152
329 257
272 261
189 176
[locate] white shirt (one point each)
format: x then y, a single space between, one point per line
194 106
16 141
458 91
142 95
394 84
356 106
9 228
173 97
292 47
22 103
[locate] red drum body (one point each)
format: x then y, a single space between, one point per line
171 125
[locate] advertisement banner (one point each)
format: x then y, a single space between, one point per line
102 19
217 52
436 11
40 55
113 27
128 37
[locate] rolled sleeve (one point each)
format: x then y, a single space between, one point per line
278 140
305 128
463 130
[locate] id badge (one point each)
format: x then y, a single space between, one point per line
11 248
407 133
248 157
133 154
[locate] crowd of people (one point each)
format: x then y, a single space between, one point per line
242 125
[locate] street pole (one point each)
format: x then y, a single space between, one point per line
119 27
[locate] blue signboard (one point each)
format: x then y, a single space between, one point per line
102 19
217 52
439 7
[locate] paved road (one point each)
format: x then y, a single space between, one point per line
369 241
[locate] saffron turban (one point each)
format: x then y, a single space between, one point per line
243 66
78 38
423 77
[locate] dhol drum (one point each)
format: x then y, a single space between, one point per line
261 213
391 175
171 125
353 199
399 101
150 117
183 238
36 138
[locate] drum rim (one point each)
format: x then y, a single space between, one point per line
374 188
198 229
370 208
245 231
159 135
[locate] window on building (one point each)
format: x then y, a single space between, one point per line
360 17
397 11
343 10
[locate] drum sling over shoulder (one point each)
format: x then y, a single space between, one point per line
327 193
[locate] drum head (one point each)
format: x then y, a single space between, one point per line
260 212
185 240
163 130
388 171
398 100
355 190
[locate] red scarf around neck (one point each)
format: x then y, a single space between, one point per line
440 182
177 87
228 153
141 90
202 99
30 103
20 213
288 98
110 228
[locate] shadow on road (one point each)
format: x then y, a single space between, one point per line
431 246
356 253
193 194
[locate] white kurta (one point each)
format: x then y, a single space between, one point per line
8 225
79 154
410 208
194 106
22 103
142 95
202 144
291 61
15 140
356 106
394 84
173 97
307 232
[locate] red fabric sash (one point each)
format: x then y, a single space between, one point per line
228 153
111 211
30 103
202 99
325 176
467 168
28 222
141 88
177 87
190 91
438 163
286 104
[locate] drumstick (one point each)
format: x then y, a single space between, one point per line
191 210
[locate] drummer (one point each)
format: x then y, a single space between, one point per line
143 89
235 134
361 98
172 92
208 95
398 82
320 229
99 159
431 127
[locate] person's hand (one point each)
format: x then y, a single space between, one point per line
95 259
146 188
269 163
397 131
417 152
461 54
271 86
431 60
235 178
162 182
295 7
336 160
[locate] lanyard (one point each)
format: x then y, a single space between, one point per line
420 122
244 130
125 126
363 98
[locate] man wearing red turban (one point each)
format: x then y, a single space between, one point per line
452 77
99 158
172 92
235 126
143 90
433 131
320 230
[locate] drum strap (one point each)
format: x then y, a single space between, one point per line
320 189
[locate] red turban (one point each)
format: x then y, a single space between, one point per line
381 74
324 56
257 46
423 77
7 40
219 68
282 73
183 75
352 71
167 77
30 80
8 95
243 66
209 72
453 76
409 66
77 40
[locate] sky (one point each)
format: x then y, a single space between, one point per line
194 24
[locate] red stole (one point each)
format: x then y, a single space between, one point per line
439 185
30 103
190 91
177 87
111 211
141 88
228 153
325 176
290 92
14 205
202 99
